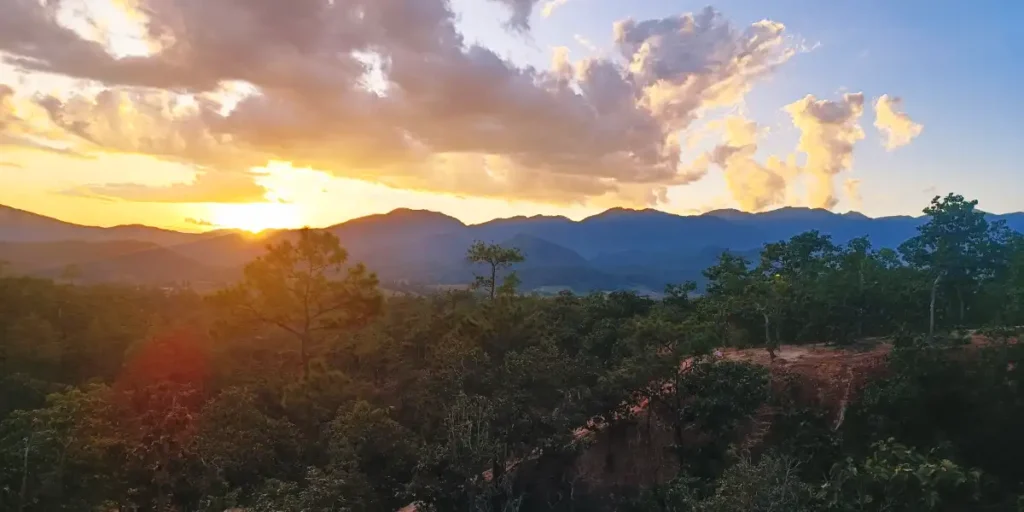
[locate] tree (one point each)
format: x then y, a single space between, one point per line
497 258
240 445
772 483
895 477
305 289
856 267
957 246
54 458
790 286
726 302
741 292
365 439
681 297
71 273
1011 285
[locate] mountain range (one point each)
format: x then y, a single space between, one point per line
641 250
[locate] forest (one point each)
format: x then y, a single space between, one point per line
305 387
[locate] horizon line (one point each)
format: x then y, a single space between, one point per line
719 213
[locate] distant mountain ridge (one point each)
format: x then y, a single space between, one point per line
24 226
616 249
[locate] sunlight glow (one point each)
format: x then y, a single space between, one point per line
117 24
256 217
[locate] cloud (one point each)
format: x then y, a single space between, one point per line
686 63
150 122
852 188
895 125
20 127
561 65
551 5
755 186
199 222
447 117
521 12
14 129
218 187
7 115
29 143
586 43
11 165
829 130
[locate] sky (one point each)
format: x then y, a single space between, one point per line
253 114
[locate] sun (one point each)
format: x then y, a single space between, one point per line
256 217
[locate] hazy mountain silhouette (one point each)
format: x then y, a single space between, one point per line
616 249
22 226
120 260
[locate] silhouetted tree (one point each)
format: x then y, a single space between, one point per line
305 289
497 258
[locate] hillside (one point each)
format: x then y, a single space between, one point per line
121 261
22 226
616 249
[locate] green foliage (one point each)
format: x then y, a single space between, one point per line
240 445
319 491
965 400
708 404
959 250
801 431
380 449
305 289
496 259
957 241
682 494
808 289
302 389
53 457
771 483
895 477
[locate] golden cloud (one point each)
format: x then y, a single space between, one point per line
895 125
829 130
446 116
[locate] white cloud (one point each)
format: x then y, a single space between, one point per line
895 125
586 43
685 63
551 5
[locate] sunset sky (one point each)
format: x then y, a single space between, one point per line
195 114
